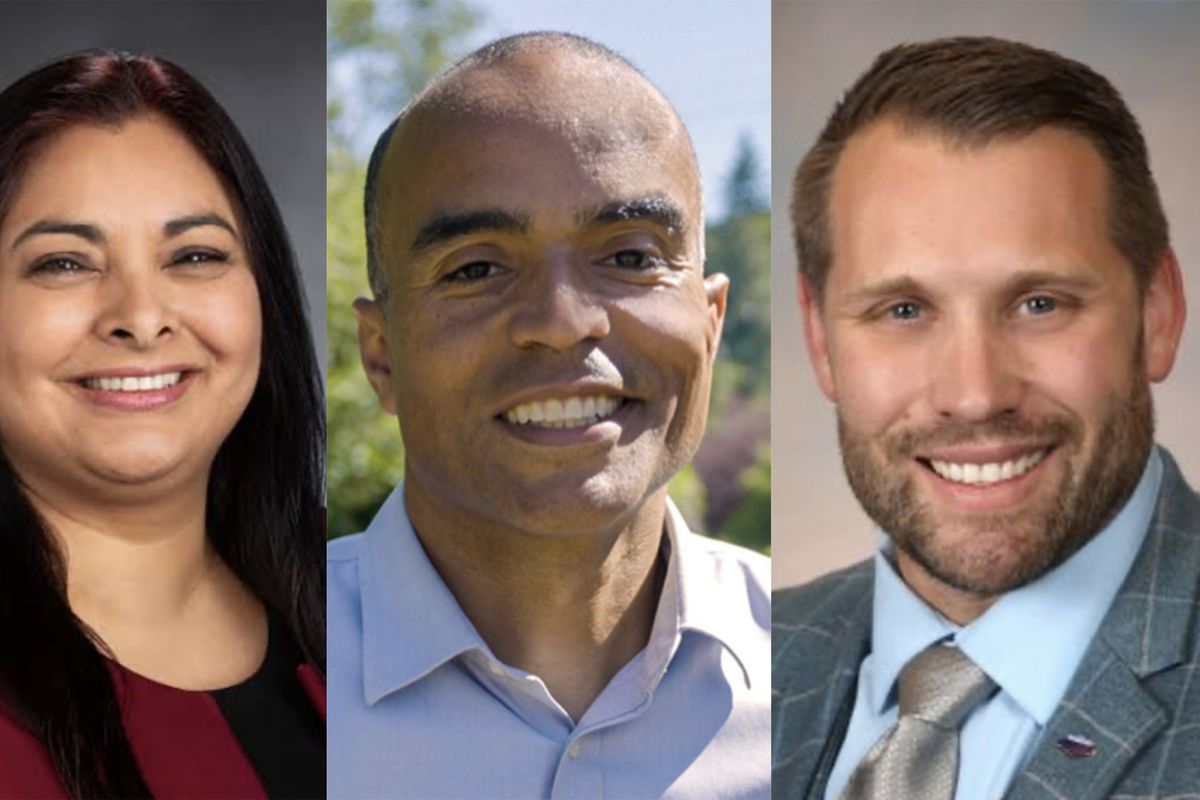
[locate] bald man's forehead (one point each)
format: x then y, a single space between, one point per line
601 115
588 99
531 135
593 133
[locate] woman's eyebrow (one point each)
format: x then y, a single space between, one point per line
83 230
93 234
179 225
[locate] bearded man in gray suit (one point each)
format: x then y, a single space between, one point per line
988 291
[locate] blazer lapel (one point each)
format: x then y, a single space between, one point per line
822 653
839 703
1107 718
1104 723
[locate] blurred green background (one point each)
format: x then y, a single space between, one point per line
379 55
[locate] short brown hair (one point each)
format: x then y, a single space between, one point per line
974 90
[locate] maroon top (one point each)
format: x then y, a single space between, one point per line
183 743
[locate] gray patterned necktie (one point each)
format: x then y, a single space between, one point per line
918 758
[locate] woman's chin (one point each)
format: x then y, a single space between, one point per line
141 467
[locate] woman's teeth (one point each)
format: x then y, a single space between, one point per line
144 383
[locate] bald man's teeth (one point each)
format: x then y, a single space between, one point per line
146 383
574 412
984 474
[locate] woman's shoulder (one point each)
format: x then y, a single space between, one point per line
25 767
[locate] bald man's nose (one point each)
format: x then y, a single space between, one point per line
556 309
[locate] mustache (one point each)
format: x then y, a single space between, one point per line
905 444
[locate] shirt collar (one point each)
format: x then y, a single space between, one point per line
700 594
1075 596
412 623
901 626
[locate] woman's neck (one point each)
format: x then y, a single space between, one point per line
146 580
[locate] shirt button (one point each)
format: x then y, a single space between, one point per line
495 668
573 750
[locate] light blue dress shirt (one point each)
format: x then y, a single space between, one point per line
1030 642
420 707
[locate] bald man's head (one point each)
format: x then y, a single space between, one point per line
597 103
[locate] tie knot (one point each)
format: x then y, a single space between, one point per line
941 685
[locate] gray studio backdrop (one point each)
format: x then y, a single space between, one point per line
1148 50
263 61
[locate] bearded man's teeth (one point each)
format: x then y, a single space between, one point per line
574 412
144 383
983 474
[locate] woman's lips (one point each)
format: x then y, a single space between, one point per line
137 393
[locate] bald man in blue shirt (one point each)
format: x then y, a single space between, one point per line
528 615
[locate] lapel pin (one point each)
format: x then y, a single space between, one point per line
1077 746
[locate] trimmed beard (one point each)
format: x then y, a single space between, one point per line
1015 547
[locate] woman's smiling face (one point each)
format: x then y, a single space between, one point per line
130 324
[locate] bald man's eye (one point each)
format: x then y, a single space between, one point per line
636 260
475 271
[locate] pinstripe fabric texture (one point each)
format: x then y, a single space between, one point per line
1136 694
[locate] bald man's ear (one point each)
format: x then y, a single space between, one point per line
373 348
814 337
716 290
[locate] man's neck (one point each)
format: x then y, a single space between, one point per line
961 608
572 609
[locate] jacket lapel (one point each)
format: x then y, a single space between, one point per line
822 654
838 704
1109 715
1105 713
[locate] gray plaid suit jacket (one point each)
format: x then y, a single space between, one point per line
1136 693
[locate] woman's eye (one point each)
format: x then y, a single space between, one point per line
191 258
635 260
904 312
1040 305
58 265
475 271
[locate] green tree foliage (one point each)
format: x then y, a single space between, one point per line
381 54
740 246
744 190
384 53
366 456
734 462
749 524
688 493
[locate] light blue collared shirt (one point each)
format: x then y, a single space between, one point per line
1030 642
420 707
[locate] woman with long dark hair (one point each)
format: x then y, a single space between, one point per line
162 627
